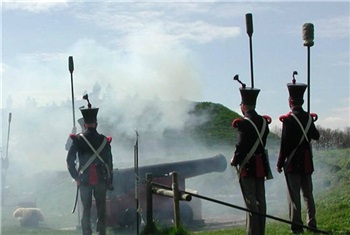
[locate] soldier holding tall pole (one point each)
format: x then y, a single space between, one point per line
295 157
95 172
250 156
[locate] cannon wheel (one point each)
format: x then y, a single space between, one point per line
129 218
186 214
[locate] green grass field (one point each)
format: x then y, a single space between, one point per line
331 178
332 175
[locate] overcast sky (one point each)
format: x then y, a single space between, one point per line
174 50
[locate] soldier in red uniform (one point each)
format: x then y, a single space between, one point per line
94 174
251 160
295 156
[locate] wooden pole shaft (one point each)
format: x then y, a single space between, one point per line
175 188
149 209
308 79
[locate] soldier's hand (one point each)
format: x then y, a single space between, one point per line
232 162
78 182
279 170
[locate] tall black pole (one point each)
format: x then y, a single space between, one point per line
308 79
71 69
308 37
8 135
136 169
249 24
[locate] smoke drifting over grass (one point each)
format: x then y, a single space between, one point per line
138 87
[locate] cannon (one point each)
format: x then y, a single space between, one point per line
121 204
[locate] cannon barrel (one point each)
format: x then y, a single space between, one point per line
124 179
187 169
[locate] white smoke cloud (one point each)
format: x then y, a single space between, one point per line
141 86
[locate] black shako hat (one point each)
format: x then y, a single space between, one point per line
249 95
89 113
296 91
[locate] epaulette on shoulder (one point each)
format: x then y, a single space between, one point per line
268 118
72 136
109 139
236 122
314 116
284 117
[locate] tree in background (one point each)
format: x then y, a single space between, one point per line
333 139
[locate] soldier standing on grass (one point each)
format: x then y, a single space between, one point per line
251 160
94 174
295 156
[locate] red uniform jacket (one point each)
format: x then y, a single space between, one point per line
97 171
291 135
246 137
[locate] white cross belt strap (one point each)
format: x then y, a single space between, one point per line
96 154
289 158
301 126
252 150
